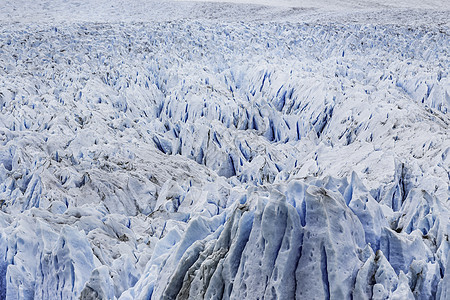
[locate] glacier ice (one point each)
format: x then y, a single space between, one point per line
187 159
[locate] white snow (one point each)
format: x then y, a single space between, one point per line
186 150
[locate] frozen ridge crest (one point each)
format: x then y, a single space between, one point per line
224 160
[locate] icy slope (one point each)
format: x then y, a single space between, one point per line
234 160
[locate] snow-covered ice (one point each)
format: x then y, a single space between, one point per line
187 150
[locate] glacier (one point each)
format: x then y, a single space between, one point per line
265 152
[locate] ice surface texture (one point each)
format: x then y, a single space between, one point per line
184 159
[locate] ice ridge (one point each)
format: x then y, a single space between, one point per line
184 159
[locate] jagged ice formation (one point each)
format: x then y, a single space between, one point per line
237 160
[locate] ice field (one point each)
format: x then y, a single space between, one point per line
209 150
